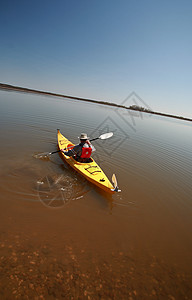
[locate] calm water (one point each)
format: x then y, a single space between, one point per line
135 244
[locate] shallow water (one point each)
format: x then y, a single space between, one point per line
140 237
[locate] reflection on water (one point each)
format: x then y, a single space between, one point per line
149 221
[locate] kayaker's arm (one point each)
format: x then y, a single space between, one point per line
93 148
89 143
72 152
69 153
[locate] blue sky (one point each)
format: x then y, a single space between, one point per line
102 49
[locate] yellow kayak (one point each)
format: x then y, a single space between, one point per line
91 171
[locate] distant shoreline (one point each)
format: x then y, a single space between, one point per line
22 89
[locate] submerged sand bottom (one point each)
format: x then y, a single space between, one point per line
43 257
32 271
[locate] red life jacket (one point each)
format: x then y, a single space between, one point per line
86 152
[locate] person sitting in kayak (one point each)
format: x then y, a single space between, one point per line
81 152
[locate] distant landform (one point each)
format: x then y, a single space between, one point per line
132 107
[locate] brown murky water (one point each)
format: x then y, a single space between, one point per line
61 237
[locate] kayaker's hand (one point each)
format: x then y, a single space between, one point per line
88 142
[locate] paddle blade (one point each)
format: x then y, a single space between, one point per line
106 135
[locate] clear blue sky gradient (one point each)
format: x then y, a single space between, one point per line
102 49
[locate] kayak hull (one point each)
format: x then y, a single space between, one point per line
91 171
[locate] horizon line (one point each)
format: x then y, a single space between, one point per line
4 86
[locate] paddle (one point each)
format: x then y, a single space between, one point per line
103 136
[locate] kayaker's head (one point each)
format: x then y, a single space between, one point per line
83 137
